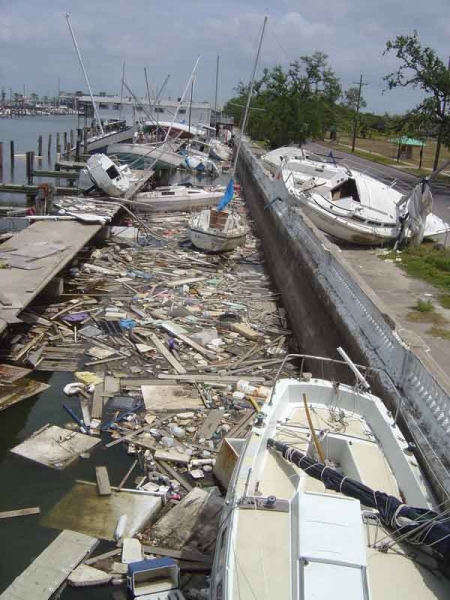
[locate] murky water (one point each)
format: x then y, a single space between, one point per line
24 483
24 132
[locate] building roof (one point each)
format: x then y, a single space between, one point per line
406 141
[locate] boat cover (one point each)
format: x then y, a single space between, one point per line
418 525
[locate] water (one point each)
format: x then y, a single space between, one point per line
24 132
24 483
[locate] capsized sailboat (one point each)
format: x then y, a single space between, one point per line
327 501
354 207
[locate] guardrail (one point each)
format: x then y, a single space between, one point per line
426 402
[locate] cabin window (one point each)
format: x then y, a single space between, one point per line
182 111
103 105
168 194
116 106
112 172
139 108
158 109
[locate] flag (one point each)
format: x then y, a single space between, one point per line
227 195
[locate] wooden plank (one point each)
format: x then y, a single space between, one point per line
172 456
205 377
51 568
128 436
8 514
189 555
210 424
167 355
97 402
94 559
127 474
104 487
173 330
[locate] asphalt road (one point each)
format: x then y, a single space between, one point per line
404 181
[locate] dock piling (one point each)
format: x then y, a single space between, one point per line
29 156
11 150
85 140
77 151
71 139
65 141
58 144
49 147
40 146
1 157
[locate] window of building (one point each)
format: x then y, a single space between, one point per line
139 108
158 109
116 106
103 105
182 111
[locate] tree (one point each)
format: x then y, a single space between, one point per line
350 99
290 106
422 68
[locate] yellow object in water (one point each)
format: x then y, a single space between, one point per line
88 378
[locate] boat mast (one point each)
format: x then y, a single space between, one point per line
97 116
121 90
215 100
249 97
182 98
146 83
190 106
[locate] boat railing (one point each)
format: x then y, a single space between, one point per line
361 372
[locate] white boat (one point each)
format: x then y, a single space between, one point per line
161 156
178 198
178 130
196 156
273 159
109 177
349 205
217 231
219 151
357 524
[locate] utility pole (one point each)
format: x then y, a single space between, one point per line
360 83
441 130
215 100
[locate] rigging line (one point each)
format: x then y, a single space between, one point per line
275 37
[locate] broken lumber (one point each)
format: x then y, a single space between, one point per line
104 487
22 512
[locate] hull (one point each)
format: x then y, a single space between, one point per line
100 144
182 203
107 176
130 152
215 241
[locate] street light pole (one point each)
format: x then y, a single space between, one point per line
358 104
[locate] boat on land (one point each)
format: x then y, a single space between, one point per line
354 207
273 159
112 179
162 156
196 155
178 198
219 151
217 231
327 500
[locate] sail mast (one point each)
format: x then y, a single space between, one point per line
249 97
97 116
215 100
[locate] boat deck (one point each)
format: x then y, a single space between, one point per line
264 543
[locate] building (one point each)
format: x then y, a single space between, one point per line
113 107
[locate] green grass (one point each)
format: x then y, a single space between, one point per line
382 160
429 263
424 306
444 299
439 332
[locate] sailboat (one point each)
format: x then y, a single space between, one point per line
327 501
214 230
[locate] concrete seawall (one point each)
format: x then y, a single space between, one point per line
329 306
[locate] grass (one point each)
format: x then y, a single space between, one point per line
424 306
429 263
439 332
432 316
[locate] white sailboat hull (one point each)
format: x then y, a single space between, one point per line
215 241
178 198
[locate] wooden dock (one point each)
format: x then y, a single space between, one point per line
51 568
19 286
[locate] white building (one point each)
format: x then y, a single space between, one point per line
113 107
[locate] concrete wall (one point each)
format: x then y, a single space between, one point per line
329 306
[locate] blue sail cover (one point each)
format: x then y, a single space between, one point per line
227 195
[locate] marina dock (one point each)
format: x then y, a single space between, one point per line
20 285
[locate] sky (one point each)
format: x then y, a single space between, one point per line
166 36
